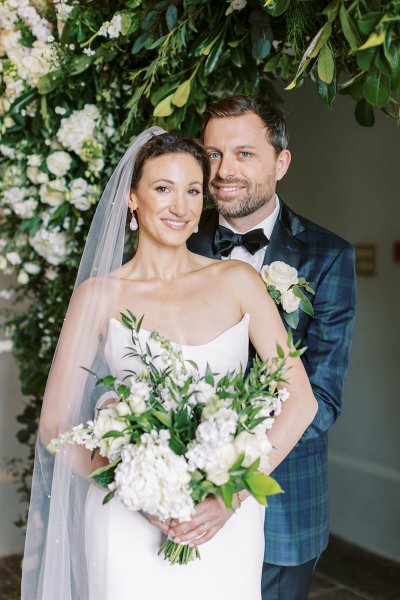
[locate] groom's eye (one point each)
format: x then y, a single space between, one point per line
245 154
213 155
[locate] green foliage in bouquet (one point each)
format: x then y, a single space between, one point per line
79 79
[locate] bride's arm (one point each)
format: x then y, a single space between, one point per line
65 400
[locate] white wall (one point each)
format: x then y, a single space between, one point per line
11 404
347 179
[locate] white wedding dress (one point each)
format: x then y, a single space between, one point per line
122 546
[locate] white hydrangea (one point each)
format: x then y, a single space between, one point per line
51 245
152 478
111 29
78 128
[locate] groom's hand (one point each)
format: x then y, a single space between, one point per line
209 517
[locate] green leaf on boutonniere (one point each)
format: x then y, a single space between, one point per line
305 304
292 319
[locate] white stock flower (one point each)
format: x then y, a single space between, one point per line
53 192
140 392
254 445
279 274
59 163
201 392
290 302
283 394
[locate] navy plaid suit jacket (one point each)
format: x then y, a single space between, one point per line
296 523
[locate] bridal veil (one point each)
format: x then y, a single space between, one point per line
55 560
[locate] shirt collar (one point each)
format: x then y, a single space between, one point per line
266 225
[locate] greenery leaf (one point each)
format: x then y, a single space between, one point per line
312 51
367 23
326 64
171 16
263 485
181 96
377 89
164 108
292 319
276 8
375 39
349 29
364 113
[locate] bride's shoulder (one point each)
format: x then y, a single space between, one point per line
239 271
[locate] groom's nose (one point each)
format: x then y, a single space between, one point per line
227 167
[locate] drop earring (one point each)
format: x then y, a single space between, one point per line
196 229
133 225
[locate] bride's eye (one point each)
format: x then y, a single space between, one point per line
162 189
194 192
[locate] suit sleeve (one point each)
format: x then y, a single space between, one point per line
328 340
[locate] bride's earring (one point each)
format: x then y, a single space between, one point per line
196 229
133 225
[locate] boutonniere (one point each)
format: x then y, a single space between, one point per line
286 289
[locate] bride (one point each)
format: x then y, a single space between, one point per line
76 548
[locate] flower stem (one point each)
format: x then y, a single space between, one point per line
180 554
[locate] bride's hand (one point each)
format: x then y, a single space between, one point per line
210 516
163 525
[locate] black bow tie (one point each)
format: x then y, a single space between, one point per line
225 240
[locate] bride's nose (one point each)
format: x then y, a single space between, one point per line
179 205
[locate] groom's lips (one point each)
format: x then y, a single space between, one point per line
227 189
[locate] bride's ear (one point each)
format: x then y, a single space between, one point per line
132 202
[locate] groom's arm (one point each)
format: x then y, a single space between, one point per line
328 340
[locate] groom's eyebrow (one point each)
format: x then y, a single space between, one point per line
248 146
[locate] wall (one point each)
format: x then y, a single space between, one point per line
346 178
11 403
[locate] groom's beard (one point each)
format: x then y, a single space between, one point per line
251 198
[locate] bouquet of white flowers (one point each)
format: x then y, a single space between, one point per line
175 435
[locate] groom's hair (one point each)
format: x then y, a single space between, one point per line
271 115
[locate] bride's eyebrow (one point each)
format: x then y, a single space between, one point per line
173 182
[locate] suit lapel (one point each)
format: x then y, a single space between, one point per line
202 242
284 244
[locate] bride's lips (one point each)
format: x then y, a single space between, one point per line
175 224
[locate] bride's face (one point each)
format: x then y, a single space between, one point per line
169 198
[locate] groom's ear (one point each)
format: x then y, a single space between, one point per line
132 202
282 164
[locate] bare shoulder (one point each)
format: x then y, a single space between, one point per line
239 273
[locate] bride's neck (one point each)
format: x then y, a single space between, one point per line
157 261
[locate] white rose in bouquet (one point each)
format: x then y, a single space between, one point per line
280 275
36 176
224 457
255 445
290 302
108 420
59 163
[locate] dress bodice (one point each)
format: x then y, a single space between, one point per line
226 352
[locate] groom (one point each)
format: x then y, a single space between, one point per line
246 140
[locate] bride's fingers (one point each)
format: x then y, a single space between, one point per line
186 527
192 534
163 525
204 538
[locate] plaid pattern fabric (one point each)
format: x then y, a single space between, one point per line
296 524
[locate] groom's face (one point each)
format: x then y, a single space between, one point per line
244 165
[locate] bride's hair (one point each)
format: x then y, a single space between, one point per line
170 143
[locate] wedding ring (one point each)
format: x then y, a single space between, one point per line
163 520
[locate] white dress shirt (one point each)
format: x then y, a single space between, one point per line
239 252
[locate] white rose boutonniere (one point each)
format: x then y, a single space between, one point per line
285 287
